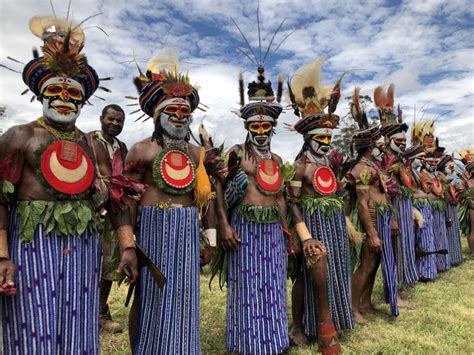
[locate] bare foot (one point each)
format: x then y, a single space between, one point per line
359 318
369 308
298 338
402 303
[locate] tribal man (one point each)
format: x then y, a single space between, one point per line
166 321
467 199
319 214
257 258
393 129
48 217
372 213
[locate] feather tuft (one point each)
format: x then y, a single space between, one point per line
355 237
241 89
35 53
390 100
139 84
379 97
418 218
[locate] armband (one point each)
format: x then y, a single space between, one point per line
211 235
303 232
294 183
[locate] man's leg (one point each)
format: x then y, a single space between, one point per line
470 237
297 336
361 280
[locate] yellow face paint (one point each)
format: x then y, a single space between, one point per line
64 91
322 138
260 127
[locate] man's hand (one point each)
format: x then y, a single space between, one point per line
129 265
312 247
229 238
7 271
375 243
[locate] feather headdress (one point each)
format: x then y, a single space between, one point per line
422 129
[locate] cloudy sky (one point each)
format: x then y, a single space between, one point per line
424 47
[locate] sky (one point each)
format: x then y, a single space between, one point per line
426 48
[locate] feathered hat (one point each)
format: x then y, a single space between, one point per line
391 123
309 100
263 104
62 60
422 133
467 157
162 85
361 112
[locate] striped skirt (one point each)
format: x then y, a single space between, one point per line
405 242
332 232
256 289
389 267
454 236
443 261
426 264
169 318
56 308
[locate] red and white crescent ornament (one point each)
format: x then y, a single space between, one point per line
406 177
324 180
67 168
268 176
437 187
177 169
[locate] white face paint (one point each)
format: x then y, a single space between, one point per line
61 111
377 154
317 148
416 163
262 140
175 127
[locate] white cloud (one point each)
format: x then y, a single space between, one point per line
424 47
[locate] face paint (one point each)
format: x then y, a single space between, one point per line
377 154
320 143
260 133
176 125
62 102
398 142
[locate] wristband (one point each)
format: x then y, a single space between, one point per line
303 231
3 244
125 237
294 183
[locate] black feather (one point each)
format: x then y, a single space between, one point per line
241 91
25 91
107 78
35 53
104 89
293 99
279 90
101 98
138 84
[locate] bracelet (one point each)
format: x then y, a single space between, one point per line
303 231
211 235
4 244
125 237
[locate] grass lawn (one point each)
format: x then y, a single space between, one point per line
441 321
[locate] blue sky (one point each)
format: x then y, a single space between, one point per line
424 47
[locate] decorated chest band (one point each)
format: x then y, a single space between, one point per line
269 178
174 171
324 180
65 168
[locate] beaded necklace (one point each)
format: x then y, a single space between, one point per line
71 136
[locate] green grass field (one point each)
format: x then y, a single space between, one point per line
441 321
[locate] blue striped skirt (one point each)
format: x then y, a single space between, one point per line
169 318
332 231
443 262
426 264
454 236
256 289
405 242
56 308
389 267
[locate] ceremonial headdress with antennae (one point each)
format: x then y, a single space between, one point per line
162 85
63 41
391 123
309 99
366 136
263 105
